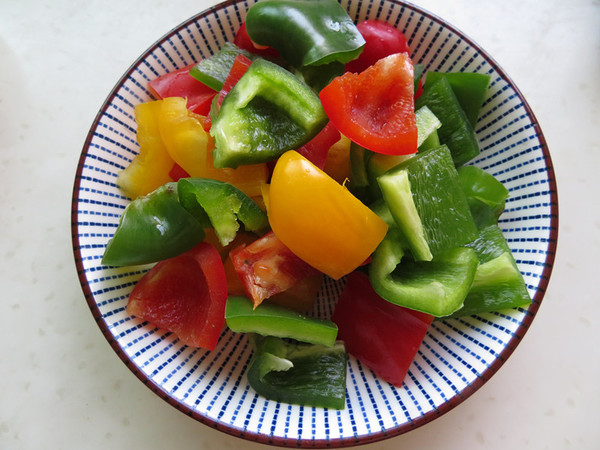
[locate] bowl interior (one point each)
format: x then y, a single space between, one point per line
456 357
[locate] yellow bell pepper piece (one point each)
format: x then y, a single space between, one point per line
183 136
320 220
150 168
191 147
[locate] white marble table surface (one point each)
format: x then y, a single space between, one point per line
62 386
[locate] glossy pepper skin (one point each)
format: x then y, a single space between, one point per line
498 283
190 146
268 112
318 219
485 194
383 336
437 287
213 71
303 374
375 108
172 220
456 131
180 83
185 295
305 32
274 320
153 228
428 203
150 168
470 89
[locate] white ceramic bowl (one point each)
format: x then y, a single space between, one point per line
456 357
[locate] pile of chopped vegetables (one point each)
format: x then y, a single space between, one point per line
278 162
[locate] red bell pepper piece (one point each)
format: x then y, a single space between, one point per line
381 40
239 68
317 148
185 295
267 267
375 108
180 83
177 172
419 89
383 336
243 41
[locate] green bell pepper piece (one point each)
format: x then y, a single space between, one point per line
268 112
432 141
381 208
359 183
426 200
427 124
305 32
485 194
470 89
437 287
378 163
498 283
317 77
456 131
303 374
152 228
274 320
213 71
221 205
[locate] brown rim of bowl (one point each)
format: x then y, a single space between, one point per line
352 441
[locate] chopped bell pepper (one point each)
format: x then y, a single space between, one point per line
428 203
359 183
418 86
317 77
213 71
383 336
305 32
437 287
268 112
456 131
177 172
485 194
183 135
381 40
376 108
180 83
378 163
186 295
317 149
267 267
274 320
320 220
150 168
470 89
190 146
303 374
498 283
153 228
238 69
243 41
223 205
301 296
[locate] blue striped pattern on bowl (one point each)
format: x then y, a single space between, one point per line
456 357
